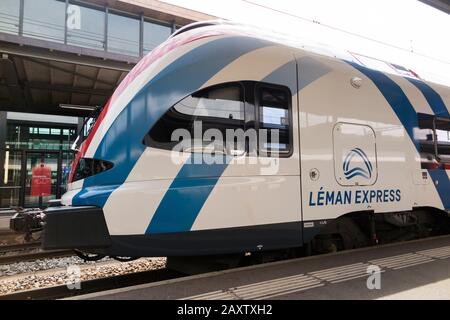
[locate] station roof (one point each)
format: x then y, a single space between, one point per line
38 80
38 85
38 76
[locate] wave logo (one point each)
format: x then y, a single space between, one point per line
364 171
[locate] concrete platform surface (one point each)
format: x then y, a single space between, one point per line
4 222
411 270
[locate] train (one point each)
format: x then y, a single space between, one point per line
228 140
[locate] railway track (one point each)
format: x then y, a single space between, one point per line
90 286
27 252
19 246
6 232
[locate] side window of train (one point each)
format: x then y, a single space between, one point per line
442 126
203 118
433 136
275 129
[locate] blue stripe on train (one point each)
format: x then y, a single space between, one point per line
433 98
187 195
443 185
408 117
122 144
396 98
440 109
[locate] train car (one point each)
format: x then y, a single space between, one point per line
327 153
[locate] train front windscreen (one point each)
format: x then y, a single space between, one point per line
88 124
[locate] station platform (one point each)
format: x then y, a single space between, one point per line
5 216
418 269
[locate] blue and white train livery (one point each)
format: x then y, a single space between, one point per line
360 156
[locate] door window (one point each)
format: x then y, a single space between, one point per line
274 120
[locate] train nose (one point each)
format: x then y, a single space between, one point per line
64 227
69 227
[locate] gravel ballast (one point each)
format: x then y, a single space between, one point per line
52 272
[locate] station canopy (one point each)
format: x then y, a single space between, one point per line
43 81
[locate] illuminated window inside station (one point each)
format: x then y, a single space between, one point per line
30 137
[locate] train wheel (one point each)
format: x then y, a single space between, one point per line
89 256
125 259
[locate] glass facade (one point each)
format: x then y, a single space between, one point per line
85 27
154 35
32 137
123 35
44 19
10 187
9 16
82 24
37 162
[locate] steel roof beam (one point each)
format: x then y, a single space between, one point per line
12 80
70 72
70 89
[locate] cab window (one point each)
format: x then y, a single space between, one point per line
259 114
217 108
